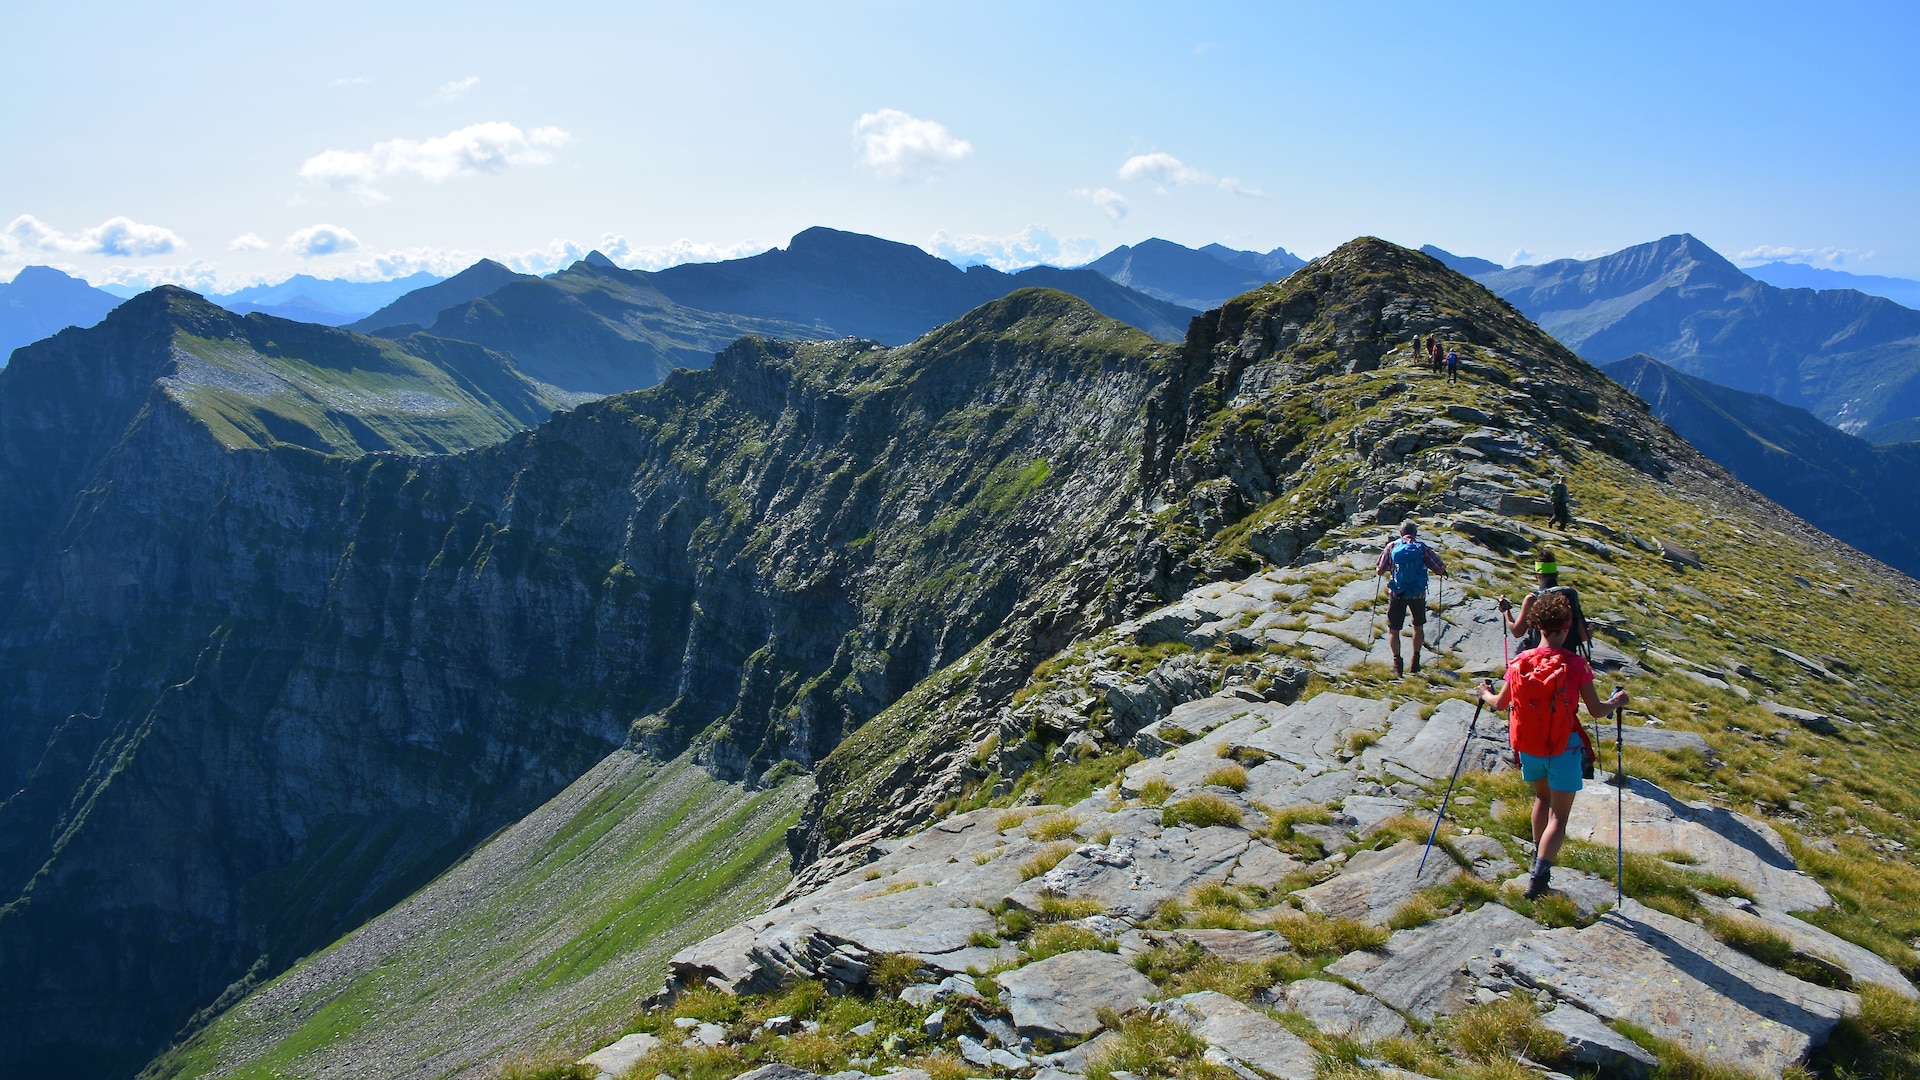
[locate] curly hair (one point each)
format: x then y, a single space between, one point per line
1551 612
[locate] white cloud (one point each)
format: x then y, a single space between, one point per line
1110 202
453 91
661 256
1166 171
199 275
1034 245
316 240
1521 257
1163 169
1828 257
247 242
475 149
119 237
899 146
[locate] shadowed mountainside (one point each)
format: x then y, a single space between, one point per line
1864 494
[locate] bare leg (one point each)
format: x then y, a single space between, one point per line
1550 812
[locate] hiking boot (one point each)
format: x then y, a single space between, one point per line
1538 887
1416 663
1399 668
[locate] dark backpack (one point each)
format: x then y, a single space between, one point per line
1409 568
1576 633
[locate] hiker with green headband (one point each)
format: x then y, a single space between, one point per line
1579 636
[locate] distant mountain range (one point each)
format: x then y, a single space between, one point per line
597 329
1867 495
1202 279
1851 359
41 300
1903 291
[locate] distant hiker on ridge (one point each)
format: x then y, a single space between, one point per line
1558 494
1580 639
1453 366
1545 687
1433 352
1408 559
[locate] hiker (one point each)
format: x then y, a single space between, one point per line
1433 353
1408 559
1558 494
1453 366
1545 687
1521 626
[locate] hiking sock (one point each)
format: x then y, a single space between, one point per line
1399 668
1416 663
1541 875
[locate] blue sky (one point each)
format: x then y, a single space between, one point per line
217 145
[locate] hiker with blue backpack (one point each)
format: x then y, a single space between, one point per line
1408 559
1545 687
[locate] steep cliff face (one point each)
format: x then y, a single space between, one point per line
256 695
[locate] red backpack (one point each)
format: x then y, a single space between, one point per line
1544 702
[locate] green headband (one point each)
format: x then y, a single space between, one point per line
1546 568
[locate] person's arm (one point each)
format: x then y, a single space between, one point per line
1598 708
1383 565
1494 701
1516 624
1434 564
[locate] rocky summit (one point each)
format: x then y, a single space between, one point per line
1076 637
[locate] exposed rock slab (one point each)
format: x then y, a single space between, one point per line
1862 965
616 1059
1238 946
1590 893
1590 1042
1673 979
1132 876
1720 841
1060 997
1262 865
1420 971
1336 1010
1247 1036
1373 884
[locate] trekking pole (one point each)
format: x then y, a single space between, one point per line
1373 610
1478 704
1619 806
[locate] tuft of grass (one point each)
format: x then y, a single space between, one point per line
1228 776
1320 936
1152 1047
1675 1062
891 973
1188 969
1012 819
1883 1041
1155 792
540 1069
1654 882
1065 938
1045 859
1281 823
1501 1030
1055 827
1200 811
980 939
1057 909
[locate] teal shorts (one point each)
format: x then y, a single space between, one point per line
1562 771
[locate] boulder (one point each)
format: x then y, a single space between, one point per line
616 1059
1486 857
1263 866
1336 1010
1720 841
1238 946
777 1071
1421 971
1060 997
1590 1042
1247 1036
1818 723
1590 894
1373 884
1674 980
1132 876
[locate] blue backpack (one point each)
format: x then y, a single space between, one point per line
1409 568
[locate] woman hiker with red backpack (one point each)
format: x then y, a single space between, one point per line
1545 687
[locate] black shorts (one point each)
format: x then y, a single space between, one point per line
1397 606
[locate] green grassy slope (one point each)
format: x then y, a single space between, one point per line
545 936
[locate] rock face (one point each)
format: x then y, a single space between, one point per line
1060 998
1244 1035
1673 979
374 662
1424 972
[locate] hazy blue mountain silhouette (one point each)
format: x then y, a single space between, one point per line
1466 264
1202 279
330 301
40 301
1903 291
